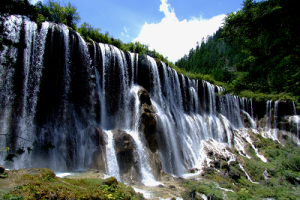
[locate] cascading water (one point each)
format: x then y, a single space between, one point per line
147 177
112 163
60 89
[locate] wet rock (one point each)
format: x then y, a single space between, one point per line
161 186
245 120
148 120
210 153
234 173
216 163
99 156
220 157
172 186
225 166
111 181
155 164
2 169
124 148
234 163
166 177
132 177
101 136
209 170
194 170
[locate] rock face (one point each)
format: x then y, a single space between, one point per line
148 127
148 120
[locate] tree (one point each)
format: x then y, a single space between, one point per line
55 12
21 7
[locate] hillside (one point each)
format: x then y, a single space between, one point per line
256 52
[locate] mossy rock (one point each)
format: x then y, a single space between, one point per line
111 181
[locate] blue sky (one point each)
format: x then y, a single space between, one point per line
171 27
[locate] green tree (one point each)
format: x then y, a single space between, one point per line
267 32
55 12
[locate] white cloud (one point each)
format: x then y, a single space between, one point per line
173 38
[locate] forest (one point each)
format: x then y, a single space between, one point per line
256 52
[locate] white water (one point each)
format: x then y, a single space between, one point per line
249 178
147 177
64 174
245 135
113 169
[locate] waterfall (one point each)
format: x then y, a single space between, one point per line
113 169
147 177
58 88
8 58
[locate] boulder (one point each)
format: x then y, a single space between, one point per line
124 147
216 163
193 170
234 173
2 169
99 156
209 170
111 181
172 187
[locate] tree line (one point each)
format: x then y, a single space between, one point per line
256 50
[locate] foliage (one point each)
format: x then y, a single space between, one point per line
51 11
57 13
21 7
42 184
207 188
266 32
90 33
